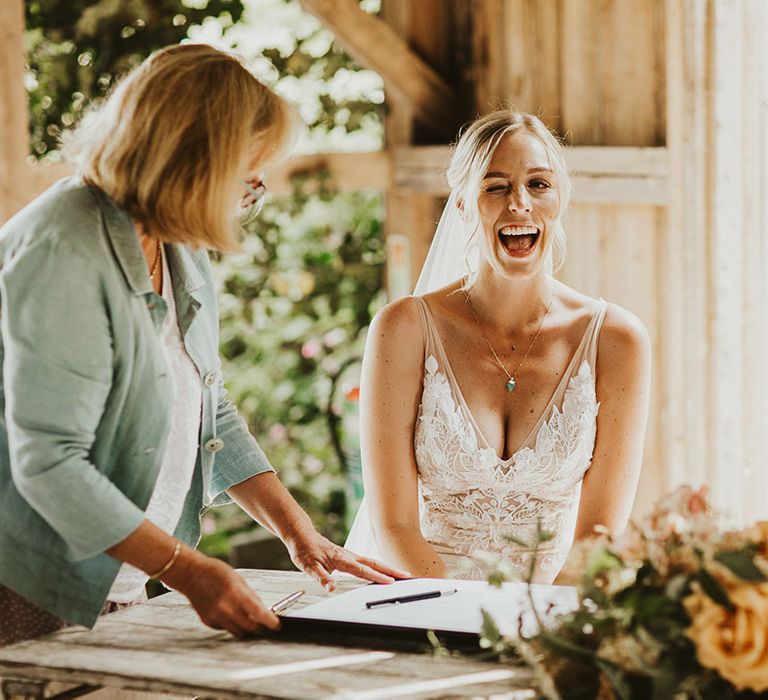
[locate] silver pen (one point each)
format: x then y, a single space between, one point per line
286 602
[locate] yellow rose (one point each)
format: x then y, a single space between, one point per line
733 643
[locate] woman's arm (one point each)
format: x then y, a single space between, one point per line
623 391
390 393
268 502
219 595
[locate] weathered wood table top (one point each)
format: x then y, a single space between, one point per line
162 646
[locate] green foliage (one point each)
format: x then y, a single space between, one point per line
294 307
76 49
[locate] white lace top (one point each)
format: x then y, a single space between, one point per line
470 498
178 464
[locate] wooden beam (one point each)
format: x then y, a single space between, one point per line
348 172
601 174
14 133
375 45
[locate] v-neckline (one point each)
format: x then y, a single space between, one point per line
464 406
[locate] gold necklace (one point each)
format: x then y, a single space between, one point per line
511 381
156 264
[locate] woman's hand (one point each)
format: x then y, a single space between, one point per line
268 502
219 595
318 557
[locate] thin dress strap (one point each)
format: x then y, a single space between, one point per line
432 343
593 333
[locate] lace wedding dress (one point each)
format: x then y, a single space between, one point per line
470 498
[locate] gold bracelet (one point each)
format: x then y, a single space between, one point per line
171 562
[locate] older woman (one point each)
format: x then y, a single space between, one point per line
116 429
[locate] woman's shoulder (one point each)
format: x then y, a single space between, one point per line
399 316
407 312
63 214
619 324
623 332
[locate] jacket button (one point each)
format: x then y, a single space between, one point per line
210 378
214 445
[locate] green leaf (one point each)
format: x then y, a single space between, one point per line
516 540
496 578
742 565
564 646
616 678
601 559
712 587
490 636
542 535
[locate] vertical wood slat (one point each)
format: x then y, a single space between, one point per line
581 106
715 264
612 252
682 263
630 75
529 75
726 262
14 134
489 59
754 146
756 293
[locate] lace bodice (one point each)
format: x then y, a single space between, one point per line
470 498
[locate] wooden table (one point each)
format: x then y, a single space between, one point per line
162 646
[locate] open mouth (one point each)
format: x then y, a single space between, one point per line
518 241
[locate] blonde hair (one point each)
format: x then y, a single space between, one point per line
472 156
171 141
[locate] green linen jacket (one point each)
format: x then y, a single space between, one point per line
86 401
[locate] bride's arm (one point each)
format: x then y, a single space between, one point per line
623 389
390 393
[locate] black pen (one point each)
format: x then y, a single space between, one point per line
409 598
281 605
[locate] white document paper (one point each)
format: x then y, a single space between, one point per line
457 612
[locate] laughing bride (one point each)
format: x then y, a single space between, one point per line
497 398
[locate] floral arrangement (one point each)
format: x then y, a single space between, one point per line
676 607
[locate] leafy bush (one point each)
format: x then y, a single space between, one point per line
294 307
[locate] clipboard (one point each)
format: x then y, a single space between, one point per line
454 619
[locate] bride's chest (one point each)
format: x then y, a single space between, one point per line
504 416
453 449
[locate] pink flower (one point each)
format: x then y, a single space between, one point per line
278 432
209 525
697 501
311 349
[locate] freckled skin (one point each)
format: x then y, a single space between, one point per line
510 297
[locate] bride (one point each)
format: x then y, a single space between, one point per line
497 398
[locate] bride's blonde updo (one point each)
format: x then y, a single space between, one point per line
472 156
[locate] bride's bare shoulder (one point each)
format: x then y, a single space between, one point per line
398 318
621 330
403 315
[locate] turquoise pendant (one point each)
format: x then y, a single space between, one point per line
511 384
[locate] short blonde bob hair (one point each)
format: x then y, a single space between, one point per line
472 157
171 141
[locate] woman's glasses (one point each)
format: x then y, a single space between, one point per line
252 201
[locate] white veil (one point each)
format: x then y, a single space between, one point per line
452 253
